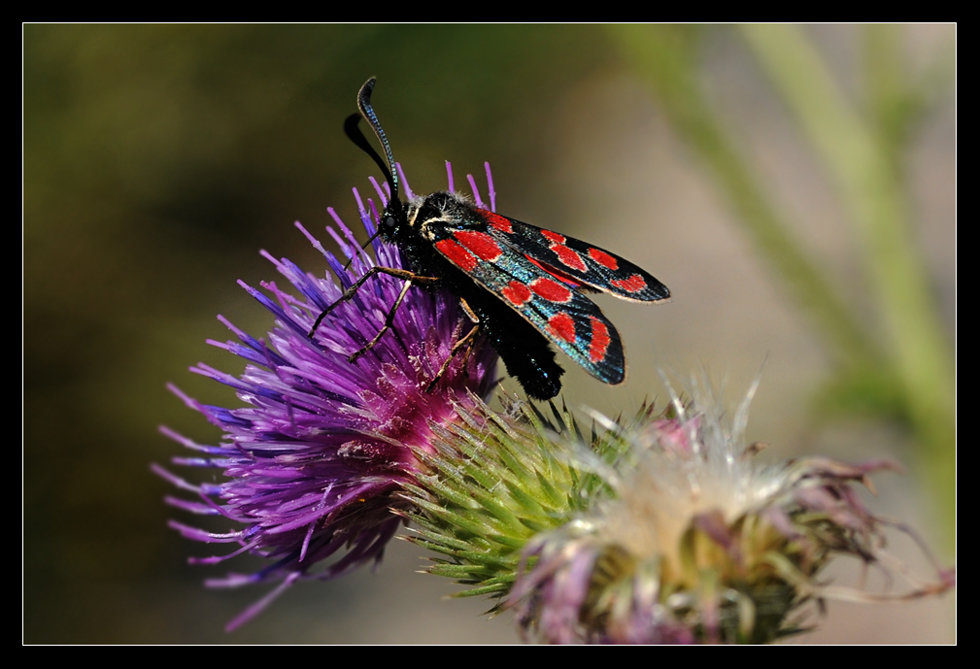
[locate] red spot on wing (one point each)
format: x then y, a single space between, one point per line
457 254
563 326
498 222
568 257
553 237
634 284
603 258
600 340
551 290
480 244
516 293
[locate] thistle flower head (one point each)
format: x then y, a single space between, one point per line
697 543
314 456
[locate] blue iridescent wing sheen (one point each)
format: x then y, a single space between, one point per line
555 308
570 258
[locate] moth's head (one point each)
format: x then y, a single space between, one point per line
393 221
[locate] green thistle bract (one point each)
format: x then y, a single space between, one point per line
664 530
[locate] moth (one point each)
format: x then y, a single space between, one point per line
523 287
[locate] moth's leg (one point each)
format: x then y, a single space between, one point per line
389 320
466 341
470 337
409 277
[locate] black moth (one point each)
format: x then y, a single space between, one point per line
521 286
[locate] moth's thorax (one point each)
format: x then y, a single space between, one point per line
430 216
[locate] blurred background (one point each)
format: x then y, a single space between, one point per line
794 187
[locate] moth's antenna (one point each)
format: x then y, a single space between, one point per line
356 136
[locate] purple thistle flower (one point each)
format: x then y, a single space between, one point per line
315 456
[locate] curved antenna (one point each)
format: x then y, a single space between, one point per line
350 127
355 135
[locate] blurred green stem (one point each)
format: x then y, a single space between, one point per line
666 56
915 353
864 169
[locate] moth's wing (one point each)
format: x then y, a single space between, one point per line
575 261
556 309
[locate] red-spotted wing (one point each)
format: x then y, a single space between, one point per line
538 273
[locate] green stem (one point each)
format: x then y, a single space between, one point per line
873 194
666 57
